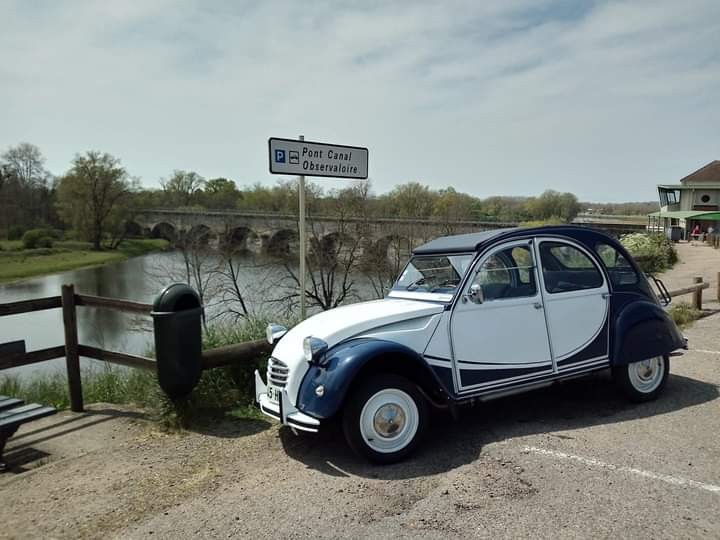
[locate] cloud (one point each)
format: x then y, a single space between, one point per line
602 99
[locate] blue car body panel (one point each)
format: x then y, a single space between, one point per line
340 366
643 330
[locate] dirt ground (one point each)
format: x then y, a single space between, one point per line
572 460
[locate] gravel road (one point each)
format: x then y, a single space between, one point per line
573 460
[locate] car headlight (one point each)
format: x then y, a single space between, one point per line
314 348
274 332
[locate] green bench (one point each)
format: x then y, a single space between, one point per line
14 413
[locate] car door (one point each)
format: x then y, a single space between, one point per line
498 329
576 298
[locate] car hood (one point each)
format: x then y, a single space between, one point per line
337 325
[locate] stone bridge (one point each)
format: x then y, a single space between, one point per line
276 233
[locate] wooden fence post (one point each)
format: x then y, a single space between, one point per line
72 355
697 295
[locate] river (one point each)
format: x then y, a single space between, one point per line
139 279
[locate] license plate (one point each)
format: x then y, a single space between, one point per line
273 394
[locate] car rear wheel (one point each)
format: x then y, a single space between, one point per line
384 418
643 380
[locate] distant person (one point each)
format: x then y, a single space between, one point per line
695 234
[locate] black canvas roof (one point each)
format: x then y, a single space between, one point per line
459 243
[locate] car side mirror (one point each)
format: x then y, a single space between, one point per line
476 294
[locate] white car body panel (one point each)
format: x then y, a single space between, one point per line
439 345
574 318
507 332
503 333
413 333
414 320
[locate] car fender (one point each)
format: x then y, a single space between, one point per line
341 366
644 330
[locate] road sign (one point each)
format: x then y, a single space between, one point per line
289 156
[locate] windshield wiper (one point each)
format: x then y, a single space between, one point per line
447 284
415 284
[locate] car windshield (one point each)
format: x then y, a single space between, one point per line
433 273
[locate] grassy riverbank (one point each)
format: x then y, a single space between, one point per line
18 263
227 391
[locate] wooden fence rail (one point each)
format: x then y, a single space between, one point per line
696 290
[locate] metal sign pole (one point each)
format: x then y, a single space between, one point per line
301 191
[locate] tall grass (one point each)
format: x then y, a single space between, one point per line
104 384
224 390
683 314
220 392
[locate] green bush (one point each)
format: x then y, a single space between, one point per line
31 238
55 234
15 232
45 242
653 252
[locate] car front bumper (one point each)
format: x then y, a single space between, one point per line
283 410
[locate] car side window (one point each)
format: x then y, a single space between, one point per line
619 269
565 268
507 273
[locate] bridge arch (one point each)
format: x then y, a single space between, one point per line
283 242
133 229
393 249
200 234
241 238
164 230
332 244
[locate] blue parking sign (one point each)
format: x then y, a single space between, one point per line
279 156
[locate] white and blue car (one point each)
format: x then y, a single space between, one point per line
472 316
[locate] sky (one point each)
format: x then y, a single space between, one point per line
492 97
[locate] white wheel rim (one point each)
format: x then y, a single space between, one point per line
646 375
389 420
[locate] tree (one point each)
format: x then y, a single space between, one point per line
552 204
182 187
333 255
451 206
220 193
26 193
410 200
93 197
26 163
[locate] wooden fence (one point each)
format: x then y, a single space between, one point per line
14 354
696 290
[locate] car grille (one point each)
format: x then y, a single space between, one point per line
277 372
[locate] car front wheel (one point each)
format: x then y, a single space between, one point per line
643 380
384 418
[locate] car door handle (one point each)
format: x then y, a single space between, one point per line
537 305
